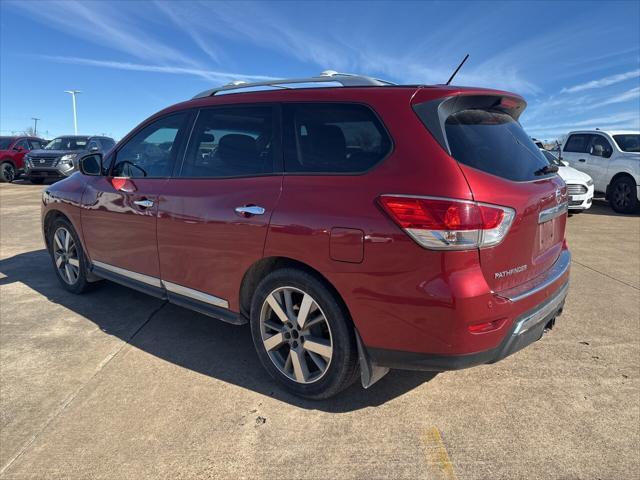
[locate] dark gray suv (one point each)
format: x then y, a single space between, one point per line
58 159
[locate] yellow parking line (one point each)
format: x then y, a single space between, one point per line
438 453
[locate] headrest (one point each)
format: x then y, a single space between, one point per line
237 148
327 145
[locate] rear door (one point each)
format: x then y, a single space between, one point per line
504 167
575 151
597 163
215 211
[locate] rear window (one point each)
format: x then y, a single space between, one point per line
628 143
332 138
495 143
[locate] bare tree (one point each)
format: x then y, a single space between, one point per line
29 131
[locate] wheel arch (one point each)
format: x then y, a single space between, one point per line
615 178
265 266
50 217
8 160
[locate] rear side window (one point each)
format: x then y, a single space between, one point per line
332 138
577 143
628 143
495 143
231 142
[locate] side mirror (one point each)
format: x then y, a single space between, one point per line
18 149
597 151
91 165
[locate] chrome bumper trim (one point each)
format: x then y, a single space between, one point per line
540 282
541 313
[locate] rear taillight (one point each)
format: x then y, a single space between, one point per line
448 224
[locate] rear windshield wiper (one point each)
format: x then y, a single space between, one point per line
546 170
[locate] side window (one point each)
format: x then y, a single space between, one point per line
151 152
597 142
577 143
230 142
23 144
332 138
35 144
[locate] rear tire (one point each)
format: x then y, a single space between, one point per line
303 334
7 172
37 181
622 195
67 256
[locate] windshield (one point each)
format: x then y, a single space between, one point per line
628 143
67 143
5 143
553 160
495 143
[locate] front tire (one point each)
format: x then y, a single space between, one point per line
7 172
303 334
67 255
622 195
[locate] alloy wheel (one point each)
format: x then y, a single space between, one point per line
296 334
65 256
8 172
622 195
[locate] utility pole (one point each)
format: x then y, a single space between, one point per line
75 116
35 125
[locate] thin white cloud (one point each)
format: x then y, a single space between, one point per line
623 97
109 25
629 117
603 82
207 74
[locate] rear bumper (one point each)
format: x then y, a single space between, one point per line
526 329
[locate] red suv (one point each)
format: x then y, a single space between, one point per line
356 227
12 152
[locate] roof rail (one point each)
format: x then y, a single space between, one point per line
328 76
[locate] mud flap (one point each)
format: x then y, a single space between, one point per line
370 373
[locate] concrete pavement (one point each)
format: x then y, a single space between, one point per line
114 384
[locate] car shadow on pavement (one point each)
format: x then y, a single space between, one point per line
186 338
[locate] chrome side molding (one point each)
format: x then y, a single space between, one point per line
140 277
168 286
195 294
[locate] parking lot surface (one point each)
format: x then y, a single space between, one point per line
115 384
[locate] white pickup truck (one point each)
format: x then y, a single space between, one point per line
612 160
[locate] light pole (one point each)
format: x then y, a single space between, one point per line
35 125
75 116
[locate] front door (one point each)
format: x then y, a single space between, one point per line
215 211
120 210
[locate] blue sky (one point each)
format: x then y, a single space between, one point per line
576 63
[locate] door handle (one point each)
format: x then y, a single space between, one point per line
582 160
144 203
249 210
